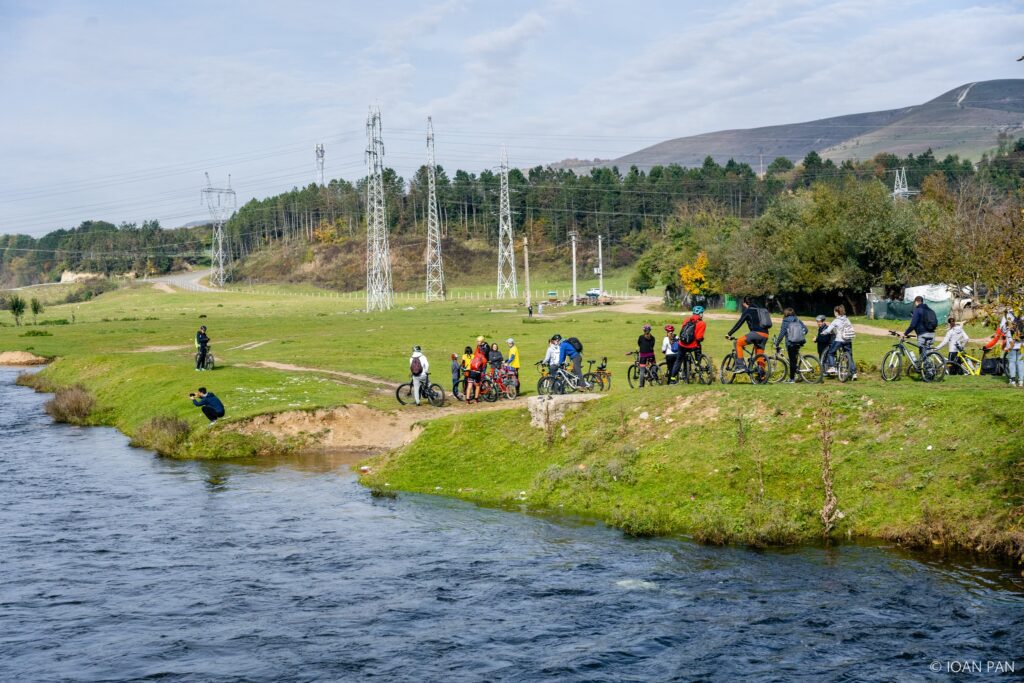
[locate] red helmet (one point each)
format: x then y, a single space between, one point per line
670 328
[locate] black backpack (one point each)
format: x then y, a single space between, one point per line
688 333
929 319
992 366
576 344
416 367
764 318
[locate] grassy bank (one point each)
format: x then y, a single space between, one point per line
726 464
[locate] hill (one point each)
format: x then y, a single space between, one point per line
967 120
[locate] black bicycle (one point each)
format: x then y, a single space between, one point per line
640 374
433 393
208 362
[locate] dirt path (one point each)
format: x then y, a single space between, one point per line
376 381
639 304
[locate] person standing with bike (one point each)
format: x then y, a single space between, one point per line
691 337
670 349
456 375
419 366
645 345
843 333
202 348
513 358
955 341
823 339
793 332
923 323
758 321
477 367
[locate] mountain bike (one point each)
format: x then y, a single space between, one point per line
899 360
701 370
808 368
967 364
433 393
600 378
562 382
208 362
778 368
506 382
842 364
639 373
758 368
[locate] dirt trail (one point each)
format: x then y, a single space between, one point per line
639 304
160 349
377 381
163 287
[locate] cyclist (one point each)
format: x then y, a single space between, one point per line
568 351
690 351
670 349
843 333
758 324
419 366
202 346
923 323
645 344
513 358
456 374
793 332
477 367
1013 335
955 341
551 356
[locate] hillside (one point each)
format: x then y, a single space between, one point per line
966 121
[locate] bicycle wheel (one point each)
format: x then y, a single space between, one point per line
844 366
606 381
435 394
510 391
546 385
809 369
727 373
633 376
209 361
655 375
594 381
759 374
404 393
778 369
704 369
892 366
933 367
489 390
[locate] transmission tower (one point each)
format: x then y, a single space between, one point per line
506 252
435 268
221 203
320 164
378 256
900 189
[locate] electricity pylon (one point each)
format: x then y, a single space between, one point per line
320 164
506 251
221 203
378 256
900 189
435 268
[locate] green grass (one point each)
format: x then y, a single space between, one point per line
684 473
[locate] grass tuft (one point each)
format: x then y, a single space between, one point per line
163 434
71 405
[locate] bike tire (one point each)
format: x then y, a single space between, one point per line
892 366
844 366
489 390
705 370
933 367
210 362
594 381
778 370
727 373
809 370
511 392
633 376
758 374
546 385
404 394
436 395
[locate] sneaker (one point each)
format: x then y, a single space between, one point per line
831 372
855 375
789 381
212 422
741 365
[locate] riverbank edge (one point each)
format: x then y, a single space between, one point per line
935 532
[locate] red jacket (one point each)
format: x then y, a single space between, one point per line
698 333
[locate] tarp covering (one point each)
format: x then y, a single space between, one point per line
928 293
886 309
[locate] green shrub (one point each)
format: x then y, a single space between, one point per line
55 321
162 434
36 333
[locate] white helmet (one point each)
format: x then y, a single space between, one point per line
510 341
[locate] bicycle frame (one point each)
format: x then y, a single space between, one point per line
969 363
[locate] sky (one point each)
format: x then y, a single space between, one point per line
114 110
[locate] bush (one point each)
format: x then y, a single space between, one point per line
55 321
641 522
70 404
163 434
36 333
34 380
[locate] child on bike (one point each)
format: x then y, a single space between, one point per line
758 323
823 339
793 332
955 341
670 349
843 332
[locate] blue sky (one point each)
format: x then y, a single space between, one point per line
113 110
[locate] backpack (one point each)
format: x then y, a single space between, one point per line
796 332
576 344
478 362
764 318
929 319
688 334
416 366
992 366
674 348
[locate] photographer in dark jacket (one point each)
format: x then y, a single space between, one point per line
211 406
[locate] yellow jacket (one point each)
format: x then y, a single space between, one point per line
513 354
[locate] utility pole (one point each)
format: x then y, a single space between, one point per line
526 265
900 189
221 203
379 296
506 249
573 236
435 267
320 164
600 267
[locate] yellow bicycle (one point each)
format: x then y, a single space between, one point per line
967 364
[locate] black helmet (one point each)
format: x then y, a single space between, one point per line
416 348
557 337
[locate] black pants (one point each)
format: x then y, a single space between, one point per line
201 358
954 367
684 361
670 366
794 358
212 414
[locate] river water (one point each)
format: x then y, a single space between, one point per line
119 565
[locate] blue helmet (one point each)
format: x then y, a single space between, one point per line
698 310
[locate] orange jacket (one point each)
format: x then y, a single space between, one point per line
996 339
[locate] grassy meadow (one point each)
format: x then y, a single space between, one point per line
923 464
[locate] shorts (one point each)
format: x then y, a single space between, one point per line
475 376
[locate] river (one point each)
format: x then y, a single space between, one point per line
120 565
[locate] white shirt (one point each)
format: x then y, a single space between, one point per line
551 357
666 345
956 339
842 328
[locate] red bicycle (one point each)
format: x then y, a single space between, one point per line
506 383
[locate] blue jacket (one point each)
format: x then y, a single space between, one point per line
209 400
566 350
917 321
